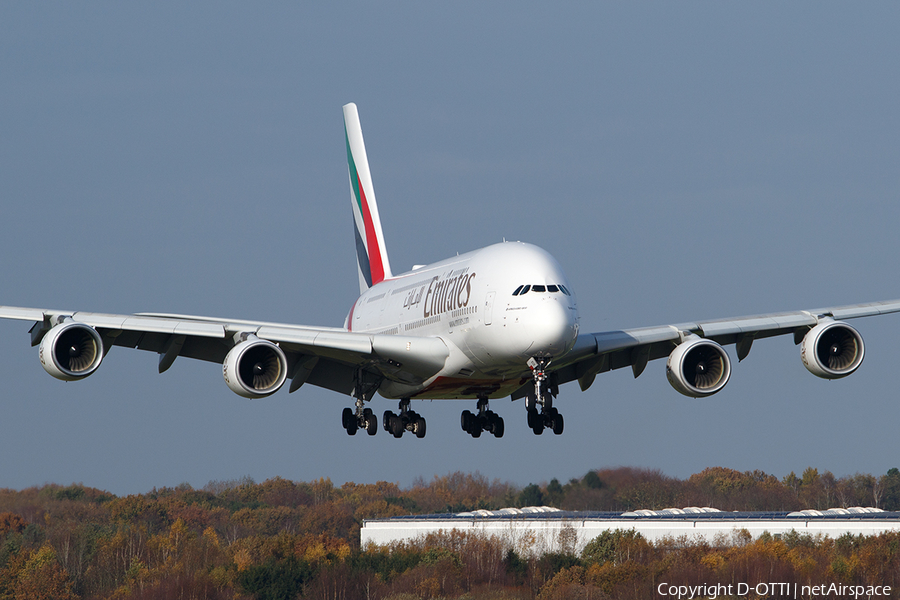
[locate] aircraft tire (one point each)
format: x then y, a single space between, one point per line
397 426
537 424
465 420
420 428
386 420
558 424
532 418
498 427
346 417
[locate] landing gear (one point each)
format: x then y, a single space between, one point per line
485 420
545 388
361 418
407 420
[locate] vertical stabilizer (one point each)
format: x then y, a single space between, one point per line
371 254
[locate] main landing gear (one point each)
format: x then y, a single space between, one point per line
545 388
485 420
361 418
407 420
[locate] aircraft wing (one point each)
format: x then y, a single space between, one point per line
328 357
604 351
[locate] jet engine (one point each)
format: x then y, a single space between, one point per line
71 351
698 367
255 368
832 350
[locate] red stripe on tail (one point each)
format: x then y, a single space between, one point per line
374 248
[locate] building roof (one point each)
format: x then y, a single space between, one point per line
693 513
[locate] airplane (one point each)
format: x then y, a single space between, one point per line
494 322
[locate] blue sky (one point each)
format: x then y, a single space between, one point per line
682 161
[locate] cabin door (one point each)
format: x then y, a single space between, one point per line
489 308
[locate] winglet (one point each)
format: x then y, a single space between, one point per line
371 253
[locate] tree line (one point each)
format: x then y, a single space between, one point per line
282 540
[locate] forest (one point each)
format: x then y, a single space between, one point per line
285 540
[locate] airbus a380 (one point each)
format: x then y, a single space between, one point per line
495 322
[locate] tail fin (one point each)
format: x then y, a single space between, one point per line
371 254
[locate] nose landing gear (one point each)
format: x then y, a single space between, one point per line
407 420
545 388
485 420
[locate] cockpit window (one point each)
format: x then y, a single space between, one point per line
553 288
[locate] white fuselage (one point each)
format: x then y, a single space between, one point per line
468 302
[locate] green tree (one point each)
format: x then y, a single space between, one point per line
554 492
276 579
613 546
531 495
592 480
890 484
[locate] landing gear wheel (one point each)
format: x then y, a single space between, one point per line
346 417
498 427
537 423
370 421
386 420
533 417
465 420
397 426
420 428
558 424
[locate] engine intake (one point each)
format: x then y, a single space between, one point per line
698 367
71 351
255 368
832 350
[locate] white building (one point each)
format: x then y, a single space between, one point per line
535 530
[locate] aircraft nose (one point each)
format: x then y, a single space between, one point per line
552 327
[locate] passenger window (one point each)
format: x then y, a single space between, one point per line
538 288
525 290
552 288
518 289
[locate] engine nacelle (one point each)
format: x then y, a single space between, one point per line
71 351
832 350
698 367
255 368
